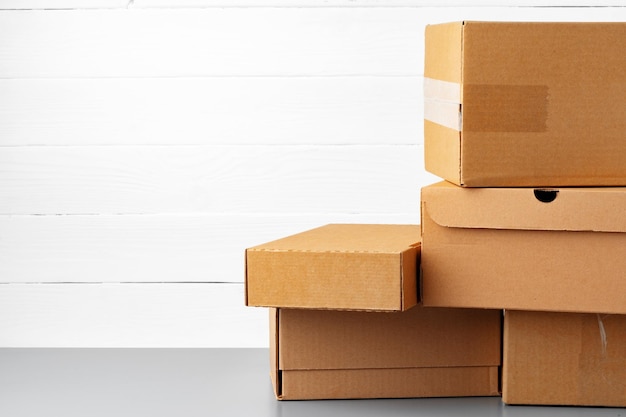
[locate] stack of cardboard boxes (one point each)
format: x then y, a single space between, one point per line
345 319
539 108
526 122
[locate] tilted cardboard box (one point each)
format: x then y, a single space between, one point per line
506 248
337 266
526 104
422 352
564 359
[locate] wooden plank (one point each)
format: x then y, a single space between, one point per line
215 179
207 42
62 4
149 248
238 41
110 4
374 3
217 110
129 315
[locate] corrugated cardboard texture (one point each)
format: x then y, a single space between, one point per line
503 248
542 103
274 374
443 52
564 359
573 209
442 151
339 266
417 353
391 383
419 337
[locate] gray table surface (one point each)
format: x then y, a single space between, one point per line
198 382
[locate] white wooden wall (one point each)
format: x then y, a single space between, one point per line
145 144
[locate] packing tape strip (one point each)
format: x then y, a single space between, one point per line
442 103
503 108
442 90
493 108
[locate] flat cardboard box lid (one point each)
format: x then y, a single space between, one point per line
337 266
505 248
601 209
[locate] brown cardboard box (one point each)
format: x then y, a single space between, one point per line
337 266
422 352
564 359
526 104
504 248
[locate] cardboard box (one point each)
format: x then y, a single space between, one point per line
564 359
422 352
524 249
337 266
526 104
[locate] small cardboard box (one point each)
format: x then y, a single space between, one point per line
422 352
337 266
564 359
526 104
524 249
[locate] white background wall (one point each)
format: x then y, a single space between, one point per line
145 144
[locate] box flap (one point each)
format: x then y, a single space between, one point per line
419 337
570 209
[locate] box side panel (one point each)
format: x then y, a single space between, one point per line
528 371
504 159
553 118
442 151
389 383
359 281
245 279
442 56
419 337
506 346
410 260
521 269
564 359
274 343
442 105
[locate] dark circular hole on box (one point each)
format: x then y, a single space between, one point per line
545 196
